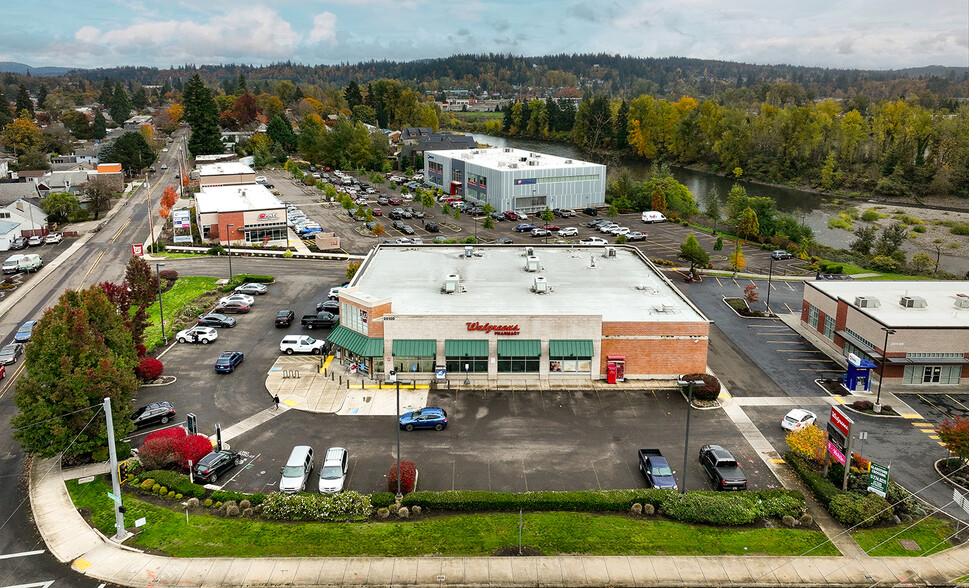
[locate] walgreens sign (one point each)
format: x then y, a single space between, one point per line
494 329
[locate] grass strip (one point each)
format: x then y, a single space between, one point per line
552 533
930 535
182 294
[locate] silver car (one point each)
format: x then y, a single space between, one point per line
333 474
251 288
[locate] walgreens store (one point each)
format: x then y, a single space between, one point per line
542 314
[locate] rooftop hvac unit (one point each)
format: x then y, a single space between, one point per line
568 161
532 264
507 149
532 162
522 159
540 286
962 301
867 302
610 252
529 251
451 283
913 302
469 251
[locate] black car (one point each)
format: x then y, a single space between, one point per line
18 243
216 320
284 318
213 465
497 216
399 225
396 214
591 211
156 412
407 229
228 361
432 227
330 306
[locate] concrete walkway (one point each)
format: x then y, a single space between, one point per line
70 539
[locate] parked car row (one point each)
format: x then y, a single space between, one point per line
296 473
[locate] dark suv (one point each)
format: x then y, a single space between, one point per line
156 412
432 227
228 361
213 465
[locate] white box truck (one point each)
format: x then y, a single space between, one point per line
12 264
31 263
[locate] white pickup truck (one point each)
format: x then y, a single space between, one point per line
302 344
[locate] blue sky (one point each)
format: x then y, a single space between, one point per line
879 34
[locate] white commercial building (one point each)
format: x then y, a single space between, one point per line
512 179
237 214
226 173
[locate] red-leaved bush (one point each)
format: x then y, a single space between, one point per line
158 451
169 275
408 475
141 350
193 447
149 369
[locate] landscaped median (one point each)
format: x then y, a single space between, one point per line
452 523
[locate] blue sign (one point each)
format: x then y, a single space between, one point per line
521 181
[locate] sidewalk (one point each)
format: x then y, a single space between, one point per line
71 540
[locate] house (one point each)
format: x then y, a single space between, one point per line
435 142
62 181
9 230
411 135
135 123
31 219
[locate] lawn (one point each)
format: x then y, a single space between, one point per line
175 300
459 535
857 269
931 535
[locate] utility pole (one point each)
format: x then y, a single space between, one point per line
119 508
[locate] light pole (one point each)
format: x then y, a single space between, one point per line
881 372
228 238
689 410
399 495
151 225
161 309
770 275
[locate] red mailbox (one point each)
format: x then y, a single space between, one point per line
611 373
615 368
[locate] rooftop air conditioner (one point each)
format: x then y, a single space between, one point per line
568 161
867 302
451 283
913 302
522 159
532 264
540 285
532 162
529 251
507 149
610 252
962 301
469 251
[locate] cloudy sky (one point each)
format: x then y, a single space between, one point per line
876 34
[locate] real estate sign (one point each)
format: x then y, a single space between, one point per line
878 479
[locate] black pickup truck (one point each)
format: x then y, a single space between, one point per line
722 468
319 320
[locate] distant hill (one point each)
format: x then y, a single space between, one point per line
22 69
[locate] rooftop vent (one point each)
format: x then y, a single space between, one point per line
451 283
522 159
867 302
469 251
609 252
912 302
507 149
540 285
532 162
568 161
532 264
529 251
962 301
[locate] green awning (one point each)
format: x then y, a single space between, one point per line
356 343
570 348
466 348
415 348
519 348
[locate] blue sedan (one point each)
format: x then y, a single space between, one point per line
424 418
24 332
228 361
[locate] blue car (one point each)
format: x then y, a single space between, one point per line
424 418
24 332
228 361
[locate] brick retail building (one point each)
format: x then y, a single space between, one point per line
507 312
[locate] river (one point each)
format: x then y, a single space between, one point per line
807 207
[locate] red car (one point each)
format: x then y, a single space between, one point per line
551 227
511 215
396 201
378 212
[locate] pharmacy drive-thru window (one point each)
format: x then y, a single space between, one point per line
541 314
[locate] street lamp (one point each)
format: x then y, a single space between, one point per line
151 225
399 495
770 275
881 373
161 309
689 406
228 238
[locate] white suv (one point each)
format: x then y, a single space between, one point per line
301 344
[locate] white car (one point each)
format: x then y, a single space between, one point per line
244 298
301 344
251 288
798 419
568 232
521 215
261 179
593 241
53 238
203 335
619 231
334 292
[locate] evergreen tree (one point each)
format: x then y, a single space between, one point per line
42 96
139 99
353 95
165 89
107 91
99 130
622 126
133 152
5 116
120 108
243 87
24 102
281 132
204 120
507 120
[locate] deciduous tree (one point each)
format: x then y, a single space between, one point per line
60 206
692 251
954 434
809 442
99 194
22 134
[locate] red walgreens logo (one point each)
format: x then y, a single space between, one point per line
840 421
496 329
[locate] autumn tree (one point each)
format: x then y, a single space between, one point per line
99 194
142 284
79 353
808 442
692 251
954 435
23 134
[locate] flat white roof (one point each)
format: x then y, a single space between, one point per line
494 281
224 168
235 198
940 298
500 158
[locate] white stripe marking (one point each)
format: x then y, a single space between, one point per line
21 554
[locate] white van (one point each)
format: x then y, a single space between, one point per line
653 216
12 264
31 263
297 470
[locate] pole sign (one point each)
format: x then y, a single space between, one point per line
840 421
836 452
878 479
138 250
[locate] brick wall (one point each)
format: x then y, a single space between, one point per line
657 356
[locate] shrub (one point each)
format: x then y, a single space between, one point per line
287 254
316 507
155 487
248 512
216 250
408 474
381 499
416 510
171 495
789 521
403 513
147 484
244 504
192 448
919 228
383 512
192 502
177 482
149 369
960 229
864 511
870 215
162 491
232 511
169 275
883 263
806 520
158 450
141 350
863 404
710 389
708 508
591 500
254 499
637 509
822 489
208 502
649 509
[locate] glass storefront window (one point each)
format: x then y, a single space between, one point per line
413 364
570 364
518 365
476 365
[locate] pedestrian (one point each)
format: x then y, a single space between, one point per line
195 337
276 402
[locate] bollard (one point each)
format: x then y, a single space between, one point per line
361 384
341 380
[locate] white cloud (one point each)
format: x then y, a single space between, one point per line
324 28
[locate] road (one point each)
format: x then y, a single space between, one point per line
97 257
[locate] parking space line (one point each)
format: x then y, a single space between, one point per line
788 284
949 396
242 469
718 281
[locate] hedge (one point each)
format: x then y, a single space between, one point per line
382 499
316 507
697 507
227 495
848 508
174 481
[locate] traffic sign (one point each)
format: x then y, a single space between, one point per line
878 479
114 498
